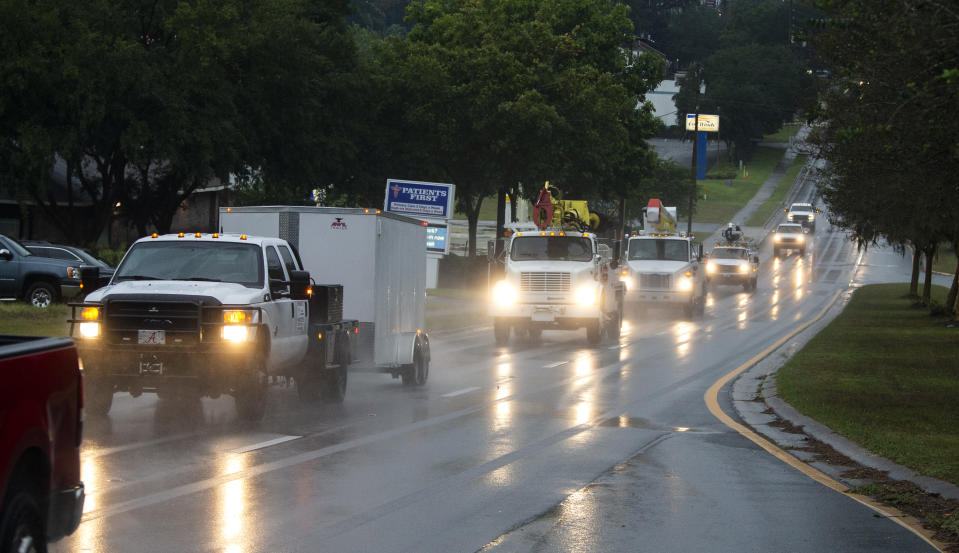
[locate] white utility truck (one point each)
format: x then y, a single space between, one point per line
192 315
662 265
555 274
380 260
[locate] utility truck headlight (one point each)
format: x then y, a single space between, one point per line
801 239
743 267
236 333
685 284
90 330
789 216
812 217
586 294
504 293
710 267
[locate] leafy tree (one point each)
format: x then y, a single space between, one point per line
892 80
144 102
496 93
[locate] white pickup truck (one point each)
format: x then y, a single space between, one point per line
204 315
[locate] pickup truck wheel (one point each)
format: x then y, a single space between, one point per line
21 529
98 397
501 331
41 294
250 392
594 333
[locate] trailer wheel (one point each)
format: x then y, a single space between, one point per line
501 331
22 526
418 372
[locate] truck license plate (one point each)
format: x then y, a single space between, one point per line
150 365
543 316
152 337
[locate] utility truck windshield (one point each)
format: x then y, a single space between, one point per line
207 261
555 248
658 250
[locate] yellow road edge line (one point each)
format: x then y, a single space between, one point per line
711 397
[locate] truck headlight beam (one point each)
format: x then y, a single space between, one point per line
504 293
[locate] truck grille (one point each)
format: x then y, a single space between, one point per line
125 318
655 282
544 282
800 218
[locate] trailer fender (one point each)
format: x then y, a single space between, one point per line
405 343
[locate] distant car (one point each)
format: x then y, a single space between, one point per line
73 254
789 236
733 265
804 214
38 280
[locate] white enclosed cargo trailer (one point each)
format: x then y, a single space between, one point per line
380 260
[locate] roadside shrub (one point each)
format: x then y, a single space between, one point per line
457 271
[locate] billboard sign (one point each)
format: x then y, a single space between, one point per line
436 238
707 123
419 199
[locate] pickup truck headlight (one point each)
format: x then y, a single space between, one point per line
73 272
710 267
504 293
789 216
744 267
812 217
585 294
801 239
90 325
237 325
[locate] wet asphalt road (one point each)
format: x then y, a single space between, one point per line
546 446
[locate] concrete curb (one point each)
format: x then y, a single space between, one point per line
753 403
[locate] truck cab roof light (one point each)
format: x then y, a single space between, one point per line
242 237
154 235
215 235
197 235
179 235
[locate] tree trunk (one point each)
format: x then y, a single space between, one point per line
954 289
927 286
472 218
914 281
500 211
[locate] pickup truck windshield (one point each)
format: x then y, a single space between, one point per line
653 249
728 253
556 248
206 261
15 247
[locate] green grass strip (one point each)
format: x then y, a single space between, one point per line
785 132
885 374
775 202
24 319
945 261
726 194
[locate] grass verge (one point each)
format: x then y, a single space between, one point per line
775 202
885 375
26 320
786 132
945 261
722 201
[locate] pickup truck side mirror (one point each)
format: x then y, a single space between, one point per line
755 259
5 254
89 278
300 285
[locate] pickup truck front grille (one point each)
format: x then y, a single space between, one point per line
796 218
125 318
544 282
655 281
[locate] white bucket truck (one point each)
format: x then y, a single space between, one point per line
662 265
555 274
379 258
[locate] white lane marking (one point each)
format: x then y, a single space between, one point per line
554 365
461 392
617 346
261 445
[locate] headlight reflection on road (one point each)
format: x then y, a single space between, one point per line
505 369
583 365
233 500
743 315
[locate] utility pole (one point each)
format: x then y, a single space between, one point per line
692 192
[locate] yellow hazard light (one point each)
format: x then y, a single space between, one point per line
377 211
154 235
542 234
242 237
229 209
180 235
90 313
519 234
236 317
197 235
624 271
215 235
366 211
689 274
319 335
418 331
552 234
562 234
